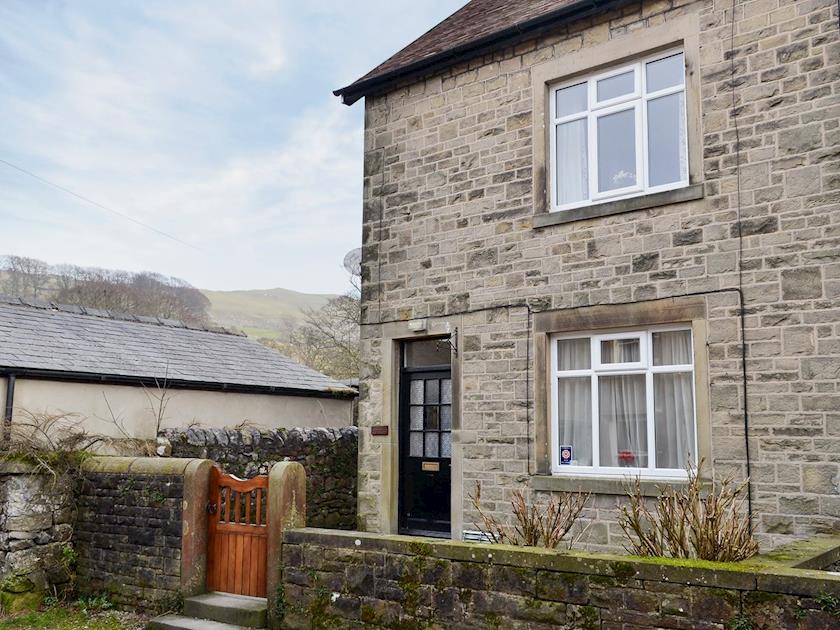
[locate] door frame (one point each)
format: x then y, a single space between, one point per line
393 335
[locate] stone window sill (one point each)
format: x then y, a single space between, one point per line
689 193
600 485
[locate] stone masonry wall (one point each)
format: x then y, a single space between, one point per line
448 214
36 527
128 537
329 457
344 580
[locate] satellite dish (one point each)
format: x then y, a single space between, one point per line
353 261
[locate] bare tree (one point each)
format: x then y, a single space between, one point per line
25 277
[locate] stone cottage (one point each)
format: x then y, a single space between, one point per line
602 239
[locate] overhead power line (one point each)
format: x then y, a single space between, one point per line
97 204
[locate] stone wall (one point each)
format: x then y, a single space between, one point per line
329 457
140 533
341 580
36 527
449 210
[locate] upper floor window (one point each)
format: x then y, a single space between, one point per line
623 403
620 133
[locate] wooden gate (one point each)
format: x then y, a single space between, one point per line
237 542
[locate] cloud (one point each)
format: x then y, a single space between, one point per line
212 121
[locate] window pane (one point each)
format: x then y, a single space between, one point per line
431 445
446 390
574 418
446 418
416 418
623 421
664 73
621 350
432 391
667 139
571 100
617 150
573 354
572 170
446 445
427 352
432 418
415 444
616 86
673 413
672 347
416 392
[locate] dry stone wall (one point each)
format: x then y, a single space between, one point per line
449 227
36 528
328 455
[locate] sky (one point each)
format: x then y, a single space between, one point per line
212 121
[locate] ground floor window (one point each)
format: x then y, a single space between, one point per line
623 402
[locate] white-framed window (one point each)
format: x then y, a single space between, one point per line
623 403
619 133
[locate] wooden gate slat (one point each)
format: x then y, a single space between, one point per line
237 548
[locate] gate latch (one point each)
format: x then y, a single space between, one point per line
211 507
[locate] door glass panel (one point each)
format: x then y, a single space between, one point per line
572 162
621 350
431 445
432 418
672 347
446 418
617 150
432 391
427 353
446 445
574 415
667 139
416 418
415 444
416 396
613 87
673 416
664 73
573 354
446 390
571 100
622 406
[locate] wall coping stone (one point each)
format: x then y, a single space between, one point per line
759 573
140 465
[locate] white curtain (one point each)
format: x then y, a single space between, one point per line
673 406
572 177
574 398
623 420
672 347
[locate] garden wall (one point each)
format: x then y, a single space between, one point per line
36 516
328 455
335 579
141 530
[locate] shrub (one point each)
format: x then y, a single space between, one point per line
687 522
537 525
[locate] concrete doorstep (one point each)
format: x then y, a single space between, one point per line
216 611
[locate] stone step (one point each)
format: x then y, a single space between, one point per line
239 610
179 622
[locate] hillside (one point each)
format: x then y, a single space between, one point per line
262 312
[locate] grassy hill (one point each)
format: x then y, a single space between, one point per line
262 312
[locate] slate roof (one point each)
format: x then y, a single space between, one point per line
474 25
44 337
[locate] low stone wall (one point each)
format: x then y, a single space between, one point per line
36 527
141 530
328 455
334 579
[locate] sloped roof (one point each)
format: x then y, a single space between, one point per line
50 339
471 30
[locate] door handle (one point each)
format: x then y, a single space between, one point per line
211 507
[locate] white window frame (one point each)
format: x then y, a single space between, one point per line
638 101
644 366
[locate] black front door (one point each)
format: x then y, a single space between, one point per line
425 439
